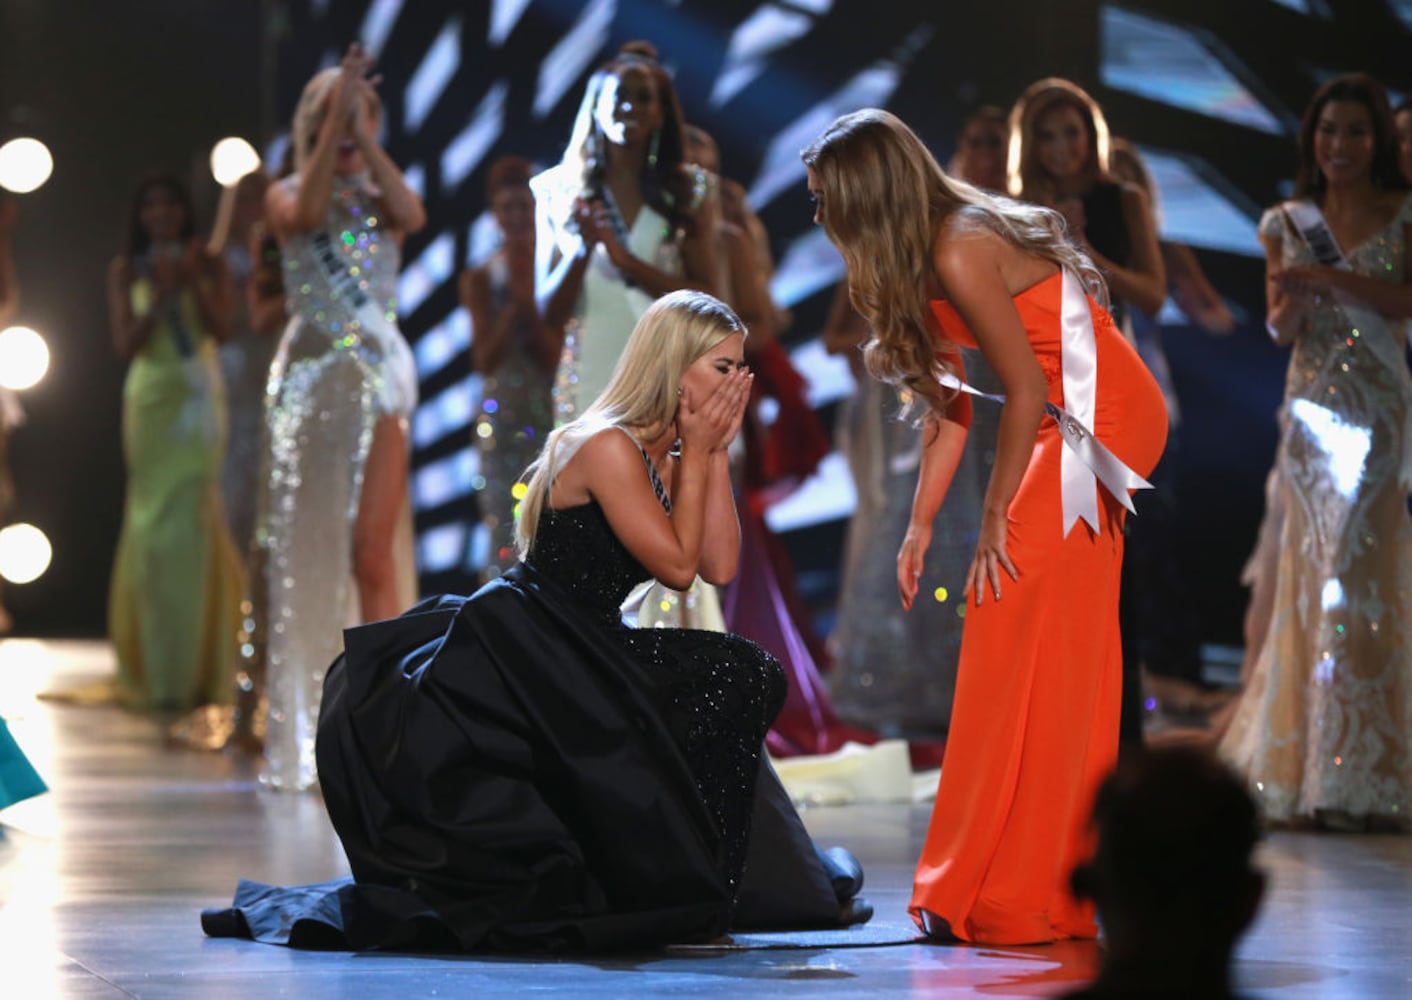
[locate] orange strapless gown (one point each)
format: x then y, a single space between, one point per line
1035 724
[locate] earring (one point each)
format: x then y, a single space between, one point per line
652 149
678 392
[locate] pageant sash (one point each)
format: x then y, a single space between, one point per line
1366 324
1085 461
398 392
1314 229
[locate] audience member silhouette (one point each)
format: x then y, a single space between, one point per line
1172 877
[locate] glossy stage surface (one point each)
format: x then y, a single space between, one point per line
103 878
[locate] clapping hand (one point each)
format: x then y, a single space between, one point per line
608 233
347 102
1305 279
174 267
586 221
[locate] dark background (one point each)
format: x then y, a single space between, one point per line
117 89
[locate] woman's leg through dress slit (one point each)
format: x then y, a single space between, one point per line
380 504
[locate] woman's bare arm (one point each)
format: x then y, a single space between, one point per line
1143 284
130 332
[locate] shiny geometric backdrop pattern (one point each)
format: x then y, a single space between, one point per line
1209 90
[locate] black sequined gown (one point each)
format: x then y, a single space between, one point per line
520 770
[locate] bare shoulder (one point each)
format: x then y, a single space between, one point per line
965 248
610 441
603 458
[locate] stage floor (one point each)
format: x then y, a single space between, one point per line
102 881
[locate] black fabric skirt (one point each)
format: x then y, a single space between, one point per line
501 777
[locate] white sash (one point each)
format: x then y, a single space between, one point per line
1365 323
1085 461
398 392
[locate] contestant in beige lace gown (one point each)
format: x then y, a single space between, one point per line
1325 723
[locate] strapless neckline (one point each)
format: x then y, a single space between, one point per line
1022 293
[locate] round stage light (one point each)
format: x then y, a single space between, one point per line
24 358
25 164
24 553
231 159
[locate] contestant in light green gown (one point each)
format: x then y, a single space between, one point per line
174 602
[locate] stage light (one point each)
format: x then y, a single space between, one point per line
25 164
24 358
24 553
231 159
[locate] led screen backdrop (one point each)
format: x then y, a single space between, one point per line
1211 92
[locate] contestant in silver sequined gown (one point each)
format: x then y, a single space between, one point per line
342 364
1325 723
515 414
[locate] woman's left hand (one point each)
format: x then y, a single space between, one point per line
740 383
991 557
365 126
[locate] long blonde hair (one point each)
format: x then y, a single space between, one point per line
642 395
311 111
1024 176
885 199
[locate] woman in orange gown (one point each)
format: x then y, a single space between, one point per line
934 263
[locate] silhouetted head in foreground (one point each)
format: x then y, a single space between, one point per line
1172 876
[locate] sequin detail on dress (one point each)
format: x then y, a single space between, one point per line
340 366
1326 720
718 693
515 416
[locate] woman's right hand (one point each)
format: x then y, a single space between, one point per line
586 220
711 425
910 558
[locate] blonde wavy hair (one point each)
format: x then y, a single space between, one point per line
885 200
641 397
312 109
1024 176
